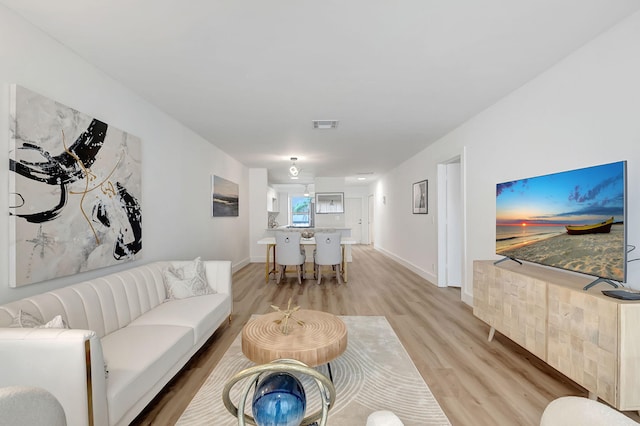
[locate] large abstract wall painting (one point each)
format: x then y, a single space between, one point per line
75 188
224 196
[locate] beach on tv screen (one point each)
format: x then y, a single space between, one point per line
573 220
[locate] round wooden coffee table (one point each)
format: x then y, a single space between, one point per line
321 339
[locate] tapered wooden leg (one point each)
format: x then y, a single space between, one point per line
492 332
266 271
345 278
338 274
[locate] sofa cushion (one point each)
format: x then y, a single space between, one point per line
138 357
199 313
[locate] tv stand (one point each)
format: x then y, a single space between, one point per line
507 258
599 280
591 338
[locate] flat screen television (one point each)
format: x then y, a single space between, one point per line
573 220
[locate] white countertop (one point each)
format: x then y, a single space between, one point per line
304 241
301 229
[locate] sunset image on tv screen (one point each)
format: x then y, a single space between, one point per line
573 220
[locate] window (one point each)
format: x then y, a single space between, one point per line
301 212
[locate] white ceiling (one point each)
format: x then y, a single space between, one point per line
251 75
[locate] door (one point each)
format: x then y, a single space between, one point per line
450 224
353 217
454 226
370 219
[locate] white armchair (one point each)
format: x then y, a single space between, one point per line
328 252
289 252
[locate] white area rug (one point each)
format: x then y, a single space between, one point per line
374 373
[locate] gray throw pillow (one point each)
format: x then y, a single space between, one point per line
26 320
187 280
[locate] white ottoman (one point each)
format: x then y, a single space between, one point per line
383 418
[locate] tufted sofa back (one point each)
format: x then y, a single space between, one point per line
103 305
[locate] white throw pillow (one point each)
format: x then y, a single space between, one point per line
27 320
187 280
56 322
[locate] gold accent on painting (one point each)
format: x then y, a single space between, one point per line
106 186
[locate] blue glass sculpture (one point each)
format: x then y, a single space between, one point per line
279 400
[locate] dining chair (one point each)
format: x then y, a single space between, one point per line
328 252
289 252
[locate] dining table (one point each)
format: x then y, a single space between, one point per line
270 264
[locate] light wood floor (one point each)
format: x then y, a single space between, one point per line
476 382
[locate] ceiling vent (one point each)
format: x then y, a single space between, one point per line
325 124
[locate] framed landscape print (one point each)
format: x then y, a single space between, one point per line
420 197
75 190
224 197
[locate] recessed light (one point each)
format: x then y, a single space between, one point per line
325 124
362 178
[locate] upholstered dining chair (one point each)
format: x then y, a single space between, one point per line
289 252
328 252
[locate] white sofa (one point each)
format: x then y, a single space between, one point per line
120 323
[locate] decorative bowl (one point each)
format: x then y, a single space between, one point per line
307 234
279 400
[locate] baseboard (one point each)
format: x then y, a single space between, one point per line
429 276
467 298
235 268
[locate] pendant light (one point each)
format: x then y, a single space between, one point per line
294 171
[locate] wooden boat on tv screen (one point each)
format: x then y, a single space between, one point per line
596 228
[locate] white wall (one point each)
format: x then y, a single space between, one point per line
583 111
177 164
409 238
258 217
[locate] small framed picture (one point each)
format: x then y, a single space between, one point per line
329 202
421 197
